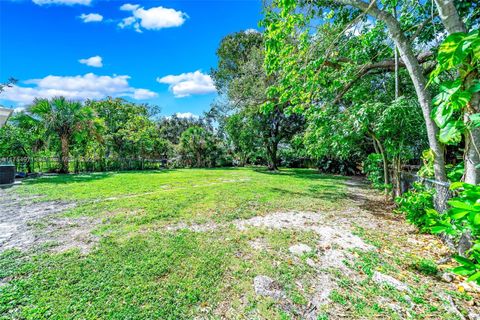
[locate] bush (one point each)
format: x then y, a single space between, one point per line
417 205
373 169
464 216
338 166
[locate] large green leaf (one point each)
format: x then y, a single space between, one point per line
464 261
442 114
475 119
460 99
463 205
456 213
450 52
451 133
474 277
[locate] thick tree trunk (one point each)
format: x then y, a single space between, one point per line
449 15
65 153
272 154
416 74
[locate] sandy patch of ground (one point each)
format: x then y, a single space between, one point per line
28 224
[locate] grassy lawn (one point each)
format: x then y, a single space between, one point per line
143 268
139 269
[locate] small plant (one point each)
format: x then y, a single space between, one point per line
417 205
464 216
426 266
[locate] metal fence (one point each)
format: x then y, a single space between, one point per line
442 189
77 165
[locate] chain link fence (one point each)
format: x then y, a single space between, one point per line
442 189
80 164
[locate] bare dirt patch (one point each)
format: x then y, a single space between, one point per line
29 224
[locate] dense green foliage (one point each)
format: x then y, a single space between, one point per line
417 205
243 83
334 61
112 129
459 52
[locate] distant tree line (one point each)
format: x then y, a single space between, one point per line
118 130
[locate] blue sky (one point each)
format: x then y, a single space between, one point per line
158 52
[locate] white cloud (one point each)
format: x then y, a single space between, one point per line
95 61
143 94
129 7
130 21
63 2
81 87
183 115
248 31
186 84
91 17
155 18
186 115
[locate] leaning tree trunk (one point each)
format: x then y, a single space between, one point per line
453 23
416 74
65 153
386 175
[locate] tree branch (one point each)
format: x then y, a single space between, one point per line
382 66
420 28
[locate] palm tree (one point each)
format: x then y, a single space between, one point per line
62 118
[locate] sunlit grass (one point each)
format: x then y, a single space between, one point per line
139 270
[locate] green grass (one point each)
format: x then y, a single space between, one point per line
141 271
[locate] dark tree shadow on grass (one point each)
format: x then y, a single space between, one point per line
301 173
86 177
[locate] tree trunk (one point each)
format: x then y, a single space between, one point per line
386 176
472 144
450 17
272 154
397 75
416 74
65 153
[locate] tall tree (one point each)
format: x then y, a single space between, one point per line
241 79
62 118
282 31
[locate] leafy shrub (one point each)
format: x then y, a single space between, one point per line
417 205
373 168
464 216
337 166
455 173
426 171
